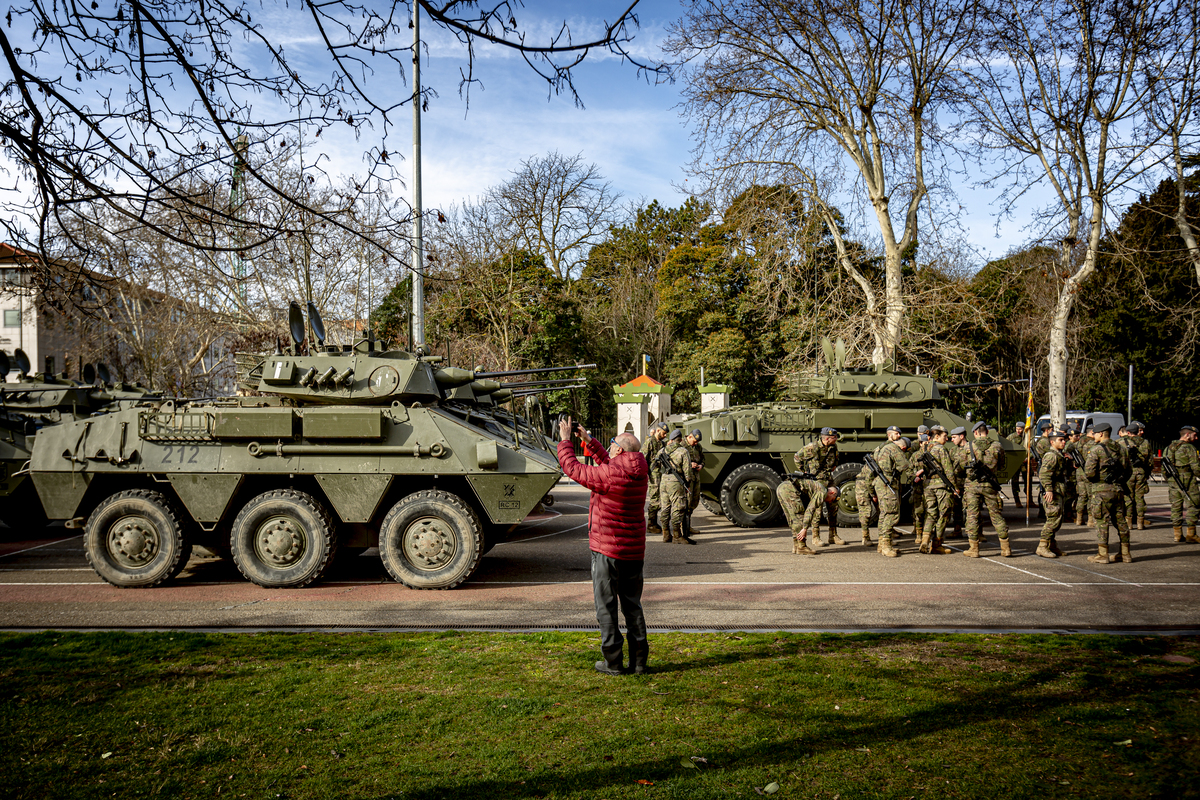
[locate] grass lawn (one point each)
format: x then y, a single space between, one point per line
483 715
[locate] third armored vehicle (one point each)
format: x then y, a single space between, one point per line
748 449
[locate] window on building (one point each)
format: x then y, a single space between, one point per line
12 318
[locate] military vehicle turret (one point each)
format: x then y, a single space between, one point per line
347 446
748 449
29 404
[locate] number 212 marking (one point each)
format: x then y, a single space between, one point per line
184 454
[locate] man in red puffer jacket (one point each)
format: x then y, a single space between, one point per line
616 537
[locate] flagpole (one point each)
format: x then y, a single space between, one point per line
1028 446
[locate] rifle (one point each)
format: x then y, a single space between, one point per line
664 463
802 476
930 462
1172 473
874 466
1074 458
980 471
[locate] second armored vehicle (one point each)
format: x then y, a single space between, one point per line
748 449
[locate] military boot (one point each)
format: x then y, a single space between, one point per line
1005 550
1045 549
938 549
866 536
833 534
1054 547
681 539
666 534
925 543
1078 517
1178 533
1126 556
917 533
973 550
1191 534
956 533
886 549
1141 523
802 549
1101 556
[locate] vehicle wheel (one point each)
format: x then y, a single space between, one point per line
712 505
748 496
431 540
135 539
283 539
843 477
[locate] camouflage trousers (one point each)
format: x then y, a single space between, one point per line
1054 515
1135 504
672 516
939 504
801 516
889 507
862 497
1083 498
920 513
1185 508
1108 508
694 494
653 497
978 497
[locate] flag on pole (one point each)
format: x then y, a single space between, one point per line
1029 414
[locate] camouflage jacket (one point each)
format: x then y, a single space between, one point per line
678 455
892 463
940 454
1139 454
1183 455
818 459
1055 472
1104 462
651 448
988 456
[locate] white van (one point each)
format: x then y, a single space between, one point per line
1081 419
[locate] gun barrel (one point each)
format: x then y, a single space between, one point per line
533 371
945 386
544 389
525 384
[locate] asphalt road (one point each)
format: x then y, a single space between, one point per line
738 579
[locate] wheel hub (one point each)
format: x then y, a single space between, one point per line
133 541
280 542
755 497
429 544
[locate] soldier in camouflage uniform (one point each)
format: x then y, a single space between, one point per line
650 449
1041 445
918 495
984 456
1079 448
819 459
957 450
1140 464
802 500
937 468
677 477
893 463
1185 503
864 496
1054 476
696 453
1107 467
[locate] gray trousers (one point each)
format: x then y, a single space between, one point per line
618 583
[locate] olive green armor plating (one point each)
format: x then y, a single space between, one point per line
748 449
346 447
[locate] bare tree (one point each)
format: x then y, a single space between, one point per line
556 206
807 93
1060 93
98 98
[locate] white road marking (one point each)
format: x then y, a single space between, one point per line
1010 566
38 547
543 536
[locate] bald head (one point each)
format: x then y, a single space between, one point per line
628 442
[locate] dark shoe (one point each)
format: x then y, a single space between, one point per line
608 669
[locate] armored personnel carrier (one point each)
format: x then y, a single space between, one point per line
748 449
346 446
28 405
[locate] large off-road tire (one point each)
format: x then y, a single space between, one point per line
283 539
134 539
712 505
843 478
431 540
748 496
